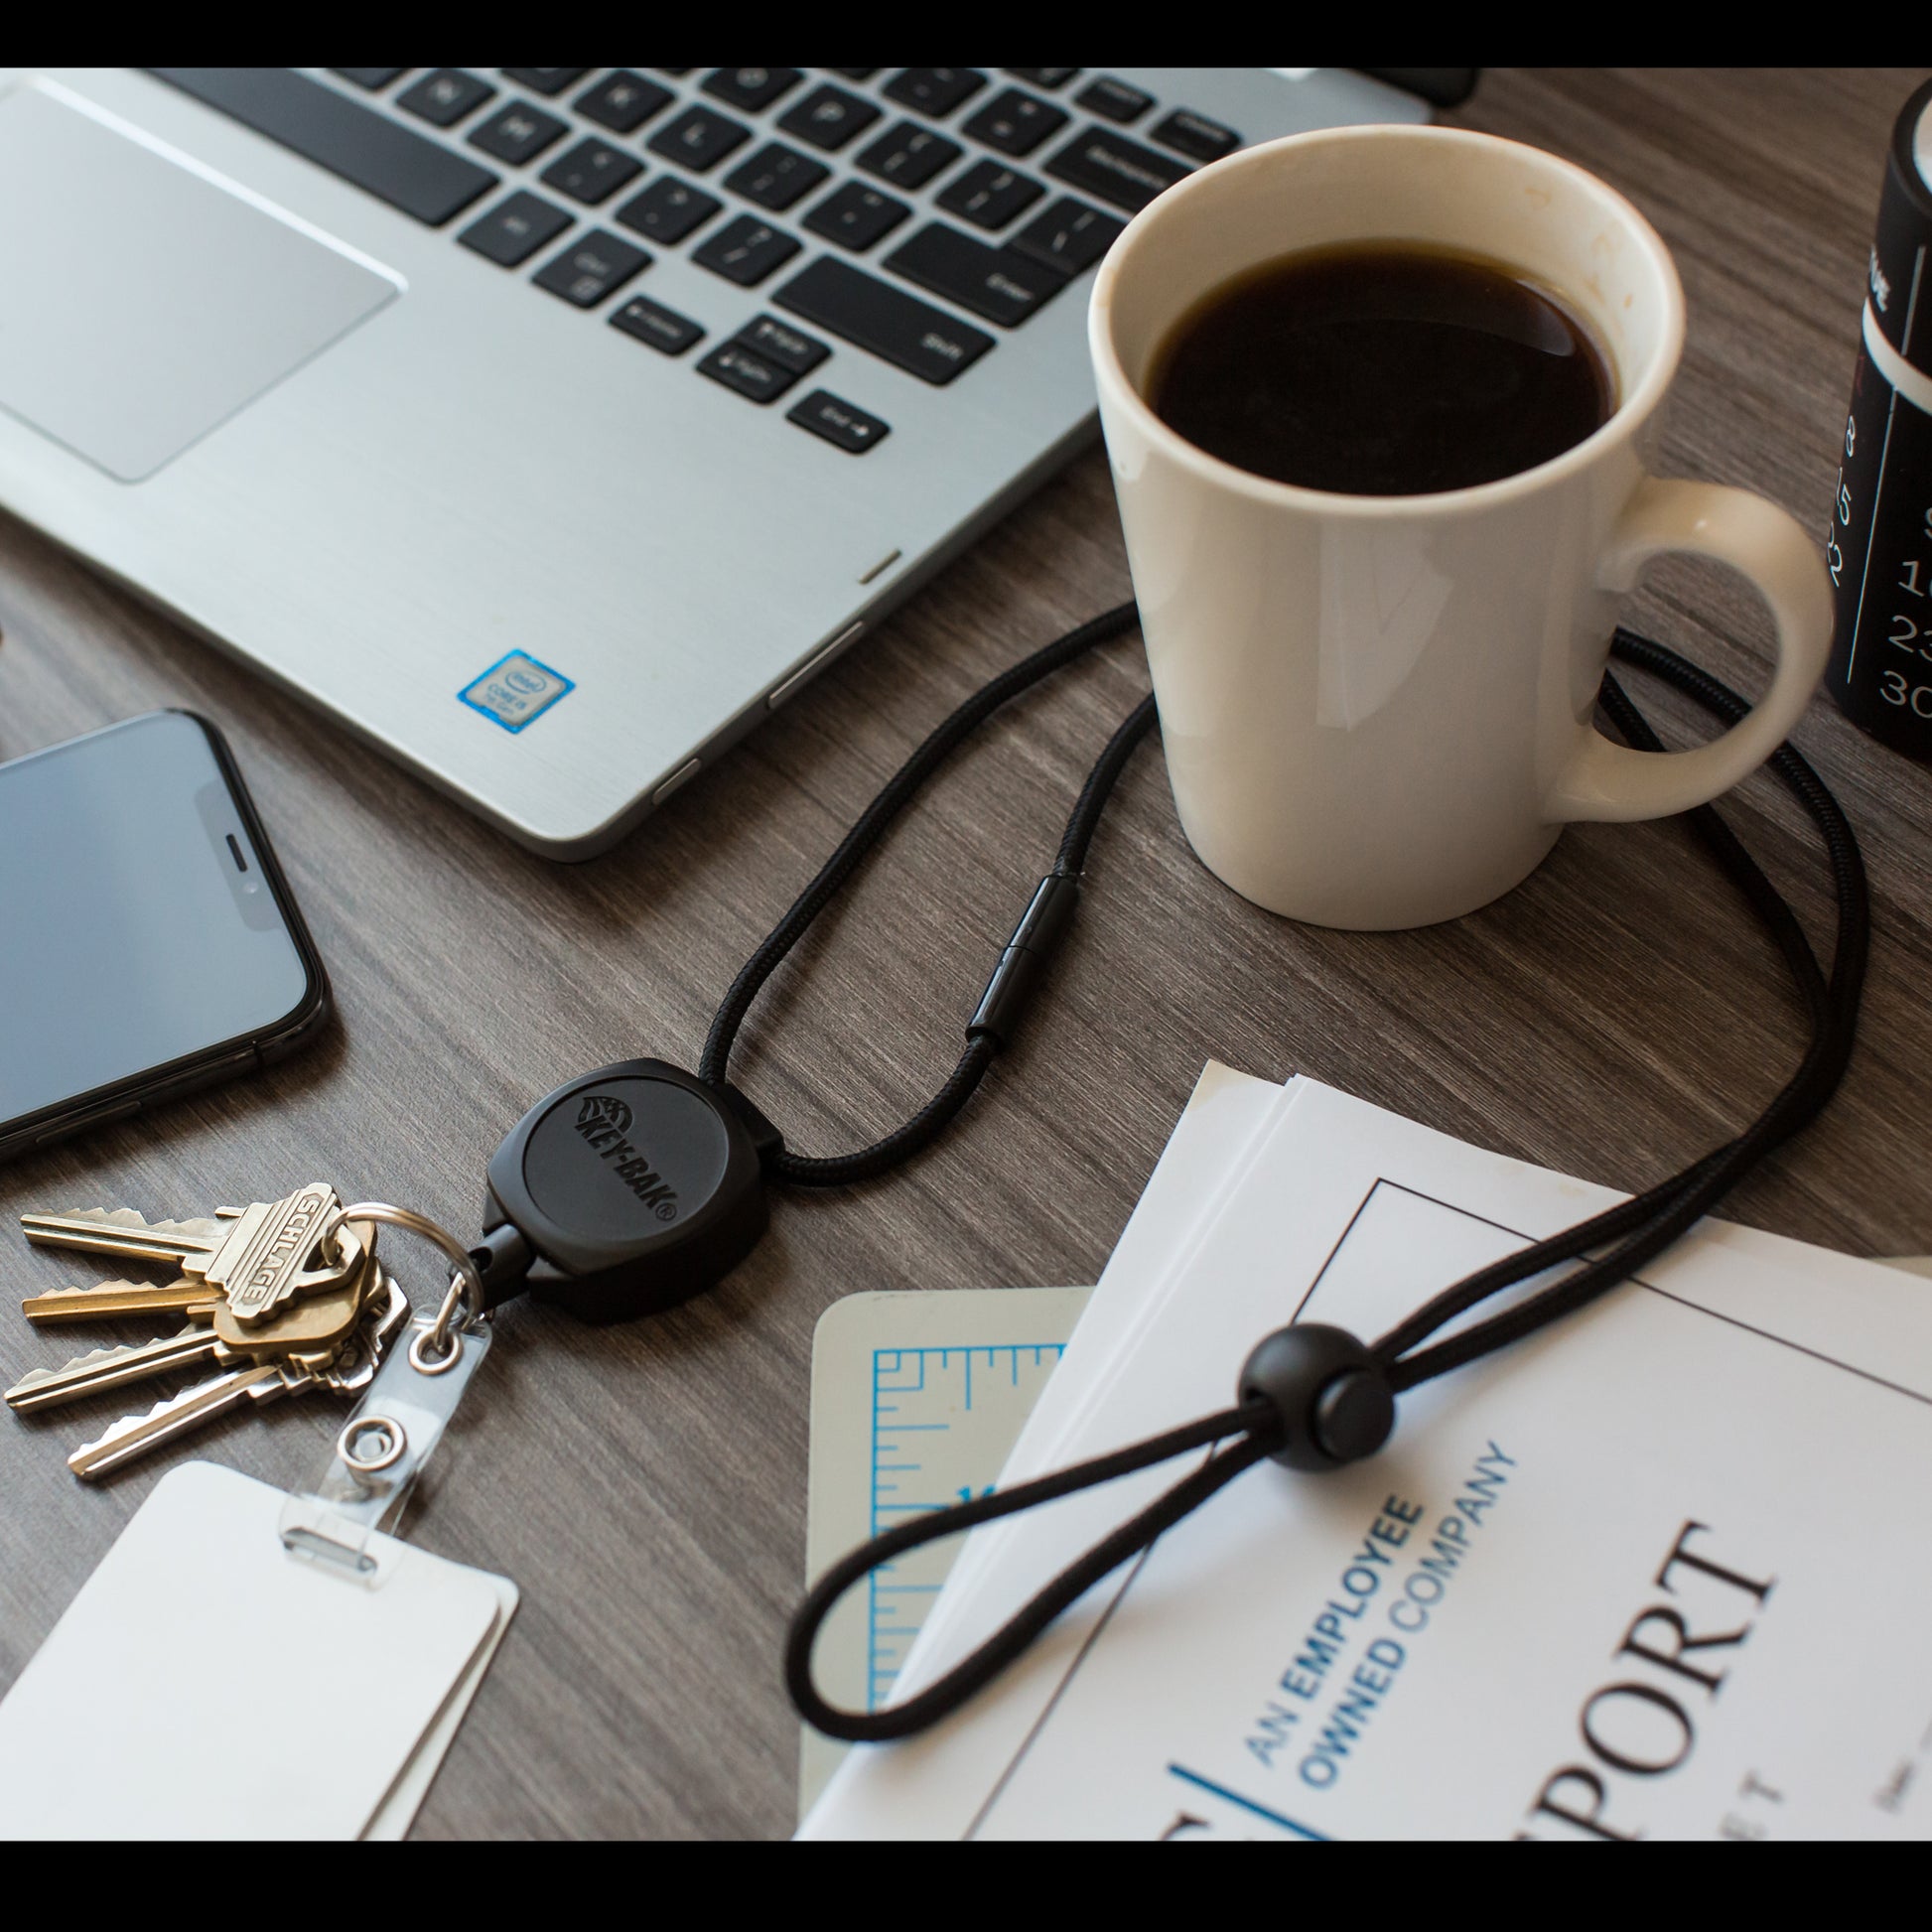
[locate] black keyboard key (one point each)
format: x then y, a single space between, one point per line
394 163
668 210
445 95
593 171
663 329
699 138
856 216
515 230
853 74
1048 78
775 177
374 79
909 156
1068 237
840 425
1196 135
1115 169
745 251
588 270
996 283
1016 123
622 102
935 90
751 88
546 80
828 117
990 196
910 333
777 341
1112 100
750 375
518 133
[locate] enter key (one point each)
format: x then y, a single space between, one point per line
999 284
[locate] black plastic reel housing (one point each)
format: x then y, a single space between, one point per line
635 1188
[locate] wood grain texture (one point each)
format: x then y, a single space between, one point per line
646 1486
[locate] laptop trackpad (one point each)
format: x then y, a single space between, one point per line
142 303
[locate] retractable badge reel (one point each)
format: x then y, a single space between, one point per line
625 1191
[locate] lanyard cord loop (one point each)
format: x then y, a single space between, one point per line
1314 1397
1255 1422
1024 953
1644 1226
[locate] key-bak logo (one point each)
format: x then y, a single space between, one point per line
607 1107
604 1121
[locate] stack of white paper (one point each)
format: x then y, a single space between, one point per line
1660 1571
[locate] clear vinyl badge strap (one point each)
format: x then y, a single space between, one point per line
382 1447
1317 1398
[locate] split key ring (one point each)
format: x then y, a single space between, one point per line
436 1348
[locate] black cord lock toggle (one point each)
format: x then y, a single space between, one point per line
1332 1397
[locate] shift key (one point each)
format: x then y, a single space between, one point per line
910 333
992 282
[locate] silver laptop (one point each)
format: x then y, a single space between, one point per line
551 426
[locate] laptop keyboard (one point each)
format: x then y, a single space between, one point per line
577 176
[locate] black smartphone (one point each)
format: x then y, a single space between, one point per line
149 943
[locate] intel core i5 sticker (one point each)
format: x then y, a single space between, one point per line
515 690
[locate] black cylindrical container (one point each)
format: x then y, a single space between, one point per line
1879 549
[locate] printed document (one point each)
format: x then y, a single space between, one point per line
1655 1572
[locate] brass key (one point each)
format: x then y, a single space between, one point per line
255 1258
184 1295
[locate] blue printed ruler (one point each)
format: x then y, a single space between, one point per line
916 1400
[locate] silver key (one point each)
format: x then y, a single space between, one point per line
101 1369
180 1414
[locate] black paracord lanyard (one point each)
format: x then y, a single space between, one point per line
638 1184
1309 1396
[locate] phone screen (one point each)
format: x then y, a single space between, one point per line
138 925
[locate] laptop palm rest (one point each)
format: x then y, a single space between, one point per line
142 300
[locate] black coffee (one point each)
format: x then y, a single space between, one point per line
1382 369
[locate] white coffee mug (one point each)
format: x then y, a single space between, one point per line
1377 710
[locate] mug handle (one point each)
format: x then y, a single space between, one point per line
1606 781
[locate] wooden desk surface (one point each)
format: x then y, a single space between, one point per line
647 1485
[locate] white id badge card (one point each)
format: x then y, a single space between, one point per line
152 1709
